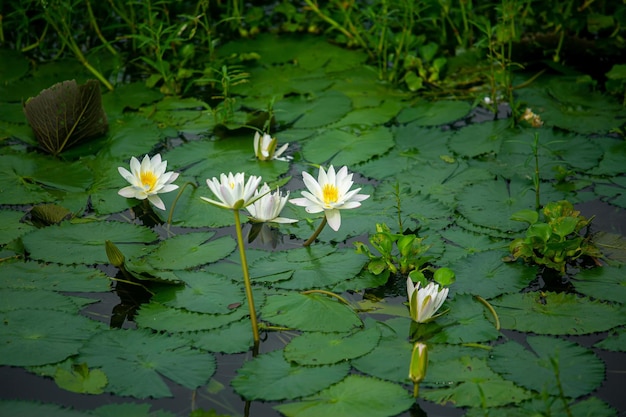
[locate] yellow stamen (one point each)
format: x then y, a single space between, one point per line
330 193
148 179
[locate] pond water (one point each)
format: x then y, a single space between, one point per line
180 342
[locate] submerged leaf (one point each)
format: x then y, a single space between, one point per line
66 114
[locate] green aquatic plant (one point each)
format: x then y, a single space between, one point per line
556 241
398 253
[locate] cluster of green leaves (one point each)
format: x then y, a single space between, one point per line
398 253
556 241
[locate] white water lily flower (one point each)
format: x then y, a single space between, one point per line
268 207
233 191
148 179
330 193
424 302
265 148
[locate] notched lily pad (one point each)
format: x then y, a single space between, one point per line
66 114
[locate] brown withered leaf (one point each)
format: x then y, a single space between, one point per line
66 114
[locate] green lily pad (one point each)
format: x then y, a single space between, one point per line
311 267
604 283
10 226
309 312
344 147
38 337
81 379
26 408
615 341
233 338
466 322
550 365
83 243
462 243
479 139
131 410
329 348
203 292
391 358
162 318
486 275
370 116
356 395
18 298
135 361
461 377
435 113
54 277
270 377
190 250
552 313
307 113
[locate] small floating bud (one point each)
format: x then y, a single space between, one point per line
419 363
116 257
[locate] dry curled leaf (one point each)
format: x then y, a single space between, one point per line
66 114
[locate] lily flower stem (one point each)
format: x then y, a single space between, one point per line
316 233
416 389
491 310
180 192
246 279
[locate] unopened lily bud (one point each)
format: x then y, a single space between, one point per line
116 257
419 362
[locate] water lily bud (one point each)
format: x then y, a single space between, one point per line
419 362
116 257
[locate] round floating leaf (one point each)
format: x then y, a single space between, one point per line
24 408
435 113
135 361
551 313
35 275
203 292
190 250
356 395
81 380
270 377
14 299
486 275
131 410
307 113
329 348
39 337
162 318
615 341
391 358
491 204
313 267
466 322
83 243
340 147
481 138
604 283
11 227
309 312
16 187
370 116
551 364
233 338
461 243
612 162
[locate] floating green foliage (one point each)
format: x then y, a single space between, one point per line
81 379
136 360
231 338
25 408
11 227
35 275
552 313
356 395
615 341
434 113
551 365
306 112
309 312
15 299
466 322
486 275
329 348
605 283
270 377
38 337
83 243
162 318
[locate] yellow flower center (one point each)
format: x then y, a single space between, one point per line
148 179
232 185
330 193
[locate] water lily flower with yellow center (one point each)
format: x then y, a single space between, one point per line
148 179
268 207
330 193
265 148
424 302
233 191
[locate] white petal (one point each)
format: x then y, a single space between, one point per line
156 201
334 219
128 192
